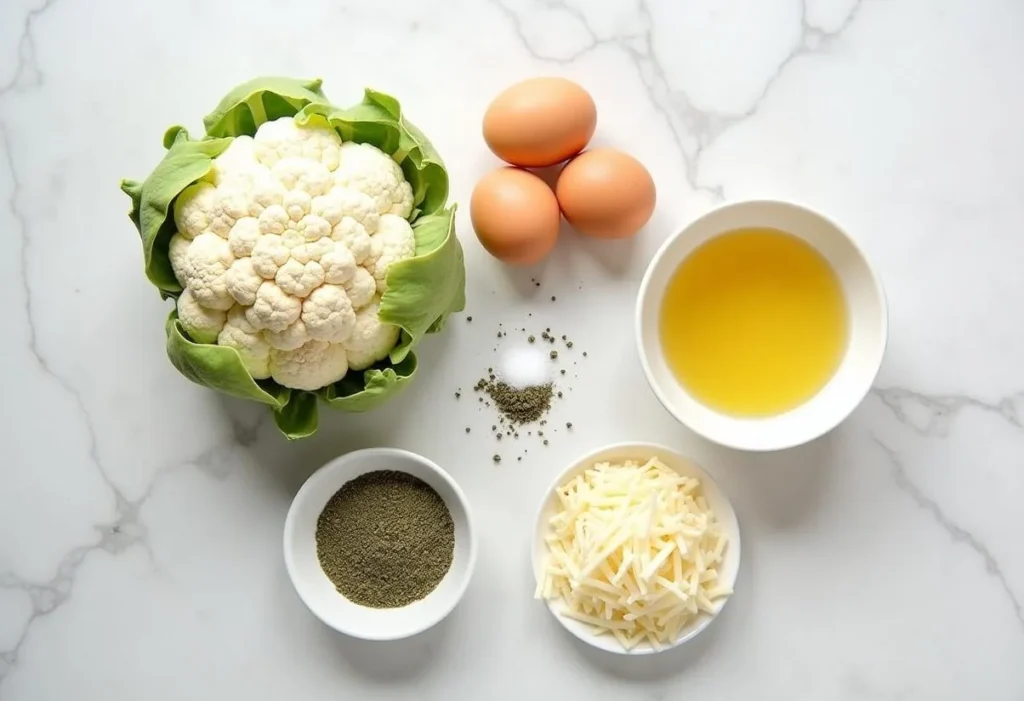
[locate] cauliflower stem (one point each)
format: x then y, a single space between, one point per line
262 240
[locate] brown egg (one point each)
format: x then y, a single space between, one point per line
605 193
540 122
515 216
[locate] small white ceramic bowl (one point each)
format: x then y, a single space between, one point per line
868 332
641 453
317 591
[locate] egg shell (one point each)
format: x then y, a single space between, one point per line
515 216
540 122
606 193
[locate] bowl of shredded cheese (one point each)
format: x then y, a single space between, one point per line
636 549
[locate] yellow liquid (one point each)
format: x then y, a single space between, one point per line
754 322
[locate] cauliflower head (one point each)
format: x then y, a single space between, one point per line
294 234
298 251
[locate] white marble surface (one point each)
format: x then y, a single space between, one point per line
140 516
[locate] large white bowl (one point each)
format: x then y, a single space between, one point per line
317 591
641 453
868 329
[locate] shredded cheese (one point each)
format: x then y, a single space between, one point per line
632 552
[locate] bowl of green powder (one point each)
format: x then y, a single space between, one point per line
379 544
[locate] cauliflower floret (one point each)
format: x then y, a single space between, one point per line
268 255
354 237
200 323
328 314
313 227
243 236
236 162
243 281
314 365
313 250
289 339
323 145
366 168
338 263
283 138
274 308
299 279
264 191
343 202
292 239
297 203
361 288
208 259
177 253
194 209
303 174
397 242
278 139
274 220
371 339
232 203
239 334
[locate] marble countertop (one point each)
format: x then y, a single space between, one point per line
141 516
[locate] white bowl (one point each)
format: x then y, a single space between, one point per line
317 591
868 330
716 499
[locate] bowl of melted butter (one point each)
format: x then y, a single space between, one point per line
761 325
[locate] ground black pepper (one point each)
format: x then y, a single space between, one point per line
385 539
518 405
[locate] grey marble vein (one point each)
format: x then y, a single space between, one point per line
937 411
958 533
694 129
125 531
26 72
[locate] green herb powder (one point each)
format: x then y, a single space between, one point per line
519 405
385 539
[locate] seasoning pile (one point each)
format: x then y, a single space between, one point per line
518 405
385 539
529 379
